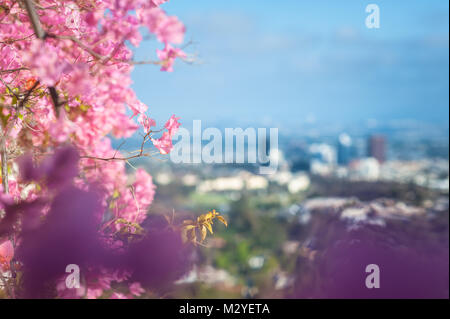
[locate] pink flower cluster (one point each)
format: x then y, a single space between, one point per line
85 59
6 254
46 62
164 143
168 56
168 29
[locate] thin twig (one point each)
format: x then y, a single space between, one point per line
14 70
41 34
114 158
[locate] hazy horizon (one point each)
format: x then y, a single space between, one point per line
292 62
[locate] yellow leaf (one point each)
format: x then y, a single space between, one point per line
204 232
200 227
188 227
209 227
220 218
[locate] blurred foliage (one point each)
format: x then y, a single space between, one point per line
261 224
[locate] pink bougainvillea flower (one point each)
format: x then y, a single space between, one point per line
79 81
57 170
44 61
172 125
61 128
124 127
157 3
136 289
146 122
168 29
168 56
171 30
138 108
152 17
136 202
164 143
6 254
92 18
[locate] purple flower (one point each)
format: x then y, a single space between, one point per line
57 170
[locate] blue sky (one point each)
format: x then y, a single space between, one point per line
287 62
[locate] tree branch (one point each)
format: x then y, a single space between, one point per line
34 18
141 153
4 159
41 34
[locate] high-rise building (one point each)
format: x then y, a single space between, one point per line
377 147
360 145
346 150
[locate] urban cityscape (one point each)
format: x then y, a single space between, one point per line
373 178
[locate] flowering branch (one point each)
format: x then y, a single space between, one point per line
44 65
141 153
5 184
14 70
34 18
41 34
